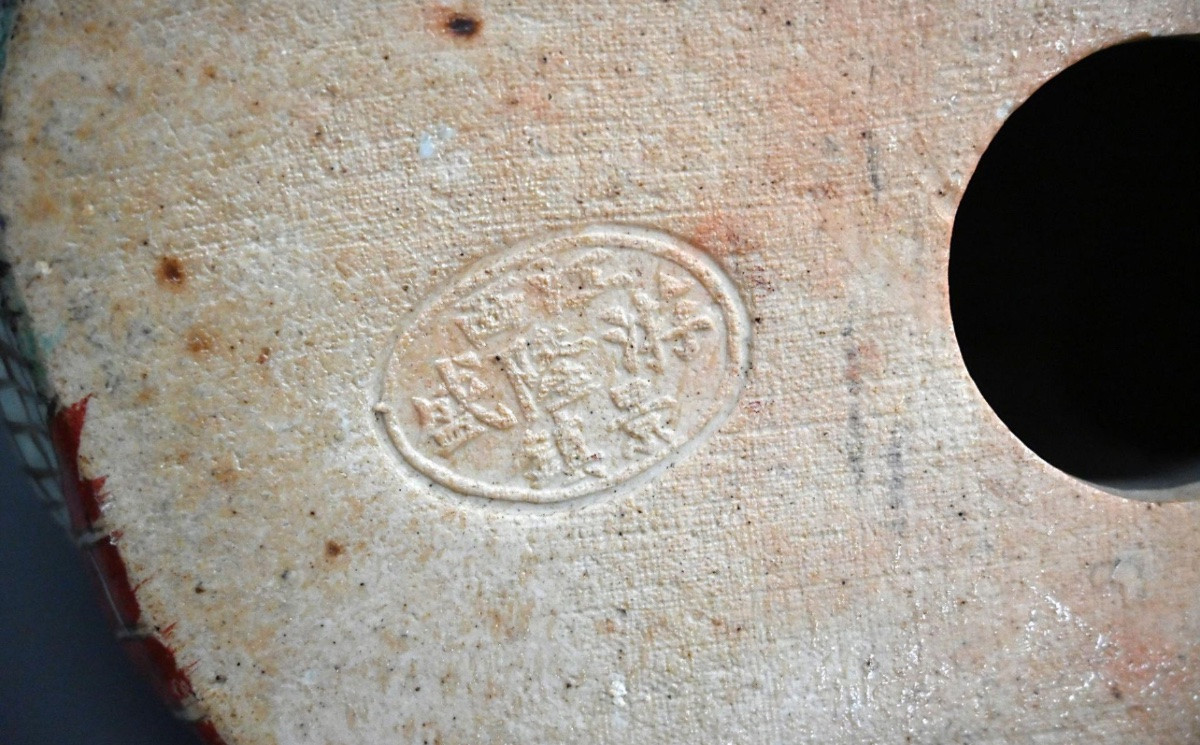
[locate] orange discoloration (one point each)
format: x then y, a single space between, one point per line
1149 674
199 341
395 641
42 207
719 235
864 360
533 98
225 474
426 554
81 202
509 620
1145 666
333 549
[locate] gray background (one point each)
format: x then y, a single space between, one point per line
63 677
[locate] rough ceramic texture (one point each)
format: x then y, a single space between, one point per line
223 215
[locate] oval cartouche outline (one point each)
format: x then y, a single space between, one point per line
699 265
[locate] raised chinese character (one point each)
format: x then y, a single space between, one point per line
646 417
638 332
576 455
539 457
550 371
487 314
574 284
624 335
560 450
686 332
671 287
644 331
459 415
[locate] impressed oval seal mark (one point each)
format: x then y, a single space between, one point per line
566 366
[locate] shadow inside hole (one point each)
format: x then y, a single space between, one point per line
1075 268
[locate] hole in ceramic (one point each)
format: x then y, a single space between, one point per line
1075 270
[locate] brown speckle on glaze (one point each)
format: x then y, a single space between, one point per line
171 272
463 25
457 24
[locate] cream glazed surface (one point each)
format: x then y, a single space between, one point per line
522 373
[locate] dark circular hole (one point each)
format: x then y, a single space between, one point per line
1075 268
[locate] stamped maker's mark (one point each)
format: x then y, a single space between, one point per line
566 366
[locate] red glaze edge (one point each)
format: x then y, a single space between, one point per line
85 500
